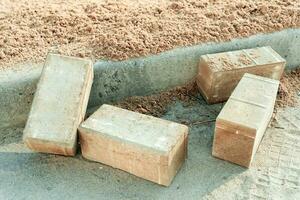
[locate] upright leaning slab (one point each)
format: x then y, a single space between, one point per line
59 105
220 73
145 146
243 120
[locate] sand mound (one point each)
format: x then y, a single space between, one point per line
123 29
289 89
156 105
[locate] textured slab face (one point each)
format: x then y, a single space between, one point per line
228 60
219 73
264 55
256 89
244 118
145 146
242 58
130 127
59 105
249 101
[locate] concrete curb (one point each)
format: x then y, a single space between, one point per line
141 76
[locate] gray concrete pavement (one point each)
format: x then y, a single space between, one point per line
275 171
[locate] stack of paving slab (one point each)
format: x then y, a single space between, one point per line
149 147
244 118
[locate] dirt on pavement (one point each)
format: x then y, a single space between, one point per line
156 105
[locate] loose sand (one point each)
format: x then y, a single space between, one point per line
156 105
123 29
289 89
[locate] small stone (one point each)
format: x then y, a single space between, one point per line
2 55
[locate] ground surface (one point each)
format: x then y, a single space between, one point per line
119 30
275 173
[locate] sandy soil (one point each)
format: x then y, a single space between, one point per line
156 105
130 28
289 89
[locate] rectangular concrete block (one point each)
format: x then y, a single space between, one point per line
148 147
243 120
59 105
219 73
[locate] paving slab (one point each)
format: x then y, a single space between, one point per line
59 105
146 146
243 120
220 73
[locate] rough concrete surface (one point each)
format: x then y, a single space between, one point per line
172 68
274 173
117 80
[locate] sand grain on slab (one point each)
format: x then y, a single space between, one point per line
289 89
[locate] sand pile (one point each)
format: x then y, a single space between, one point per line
156 105
123 29
289 89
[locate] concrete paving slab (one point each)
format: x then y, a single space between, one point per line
146 146
220 73
243 120
59 105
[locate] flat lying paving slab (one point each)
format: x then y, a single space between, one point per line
145 146
59 105
220 73
243 120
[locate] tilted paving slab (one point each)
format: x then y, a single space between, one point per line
145 146
243 120
59 105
